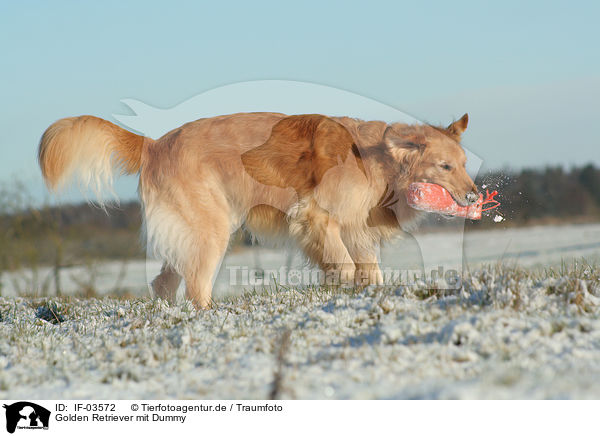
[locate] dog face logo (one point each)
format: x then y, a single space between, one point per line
26 415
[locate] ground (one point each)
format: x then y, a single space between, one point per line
507 333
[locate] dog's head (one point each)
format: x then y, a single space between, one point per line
434 155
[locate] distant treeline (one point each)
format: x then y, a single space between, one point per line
72 233
549 193
75 219
68 235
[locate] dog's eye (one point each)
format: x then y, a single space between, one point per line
446 167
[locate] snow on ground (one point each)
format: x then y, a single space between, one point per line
508 332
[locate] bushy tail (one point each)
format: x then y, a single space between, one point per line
88 148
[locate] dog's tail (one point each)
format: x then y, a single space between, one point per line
88 148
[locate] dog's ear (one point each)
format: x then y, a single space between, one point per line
406 149
300 151
333 146
410 142
369 133
457 128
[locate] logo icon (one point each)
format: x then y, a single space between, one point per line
26 415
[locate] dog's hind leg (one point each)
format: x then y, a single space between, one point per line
200 269
192 240
166 283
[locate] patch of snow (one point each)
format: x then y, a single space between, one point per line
504 334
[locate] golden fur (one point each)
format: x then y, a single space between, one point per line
334 186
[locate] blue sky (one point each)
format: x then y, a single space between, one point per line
528 73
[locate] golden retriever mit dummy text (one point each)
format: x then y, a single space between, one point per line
334 186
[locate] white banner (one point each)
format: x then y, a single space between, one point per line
76 417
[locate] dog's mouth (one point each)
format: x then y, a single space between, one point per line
461 201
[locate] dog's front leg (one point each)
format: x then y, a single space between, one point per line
336 262
318 234
366 262
368 272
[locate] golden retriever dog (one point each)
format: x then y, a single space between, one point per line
333 186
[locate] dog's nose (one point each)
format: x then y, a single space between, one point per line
472 197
